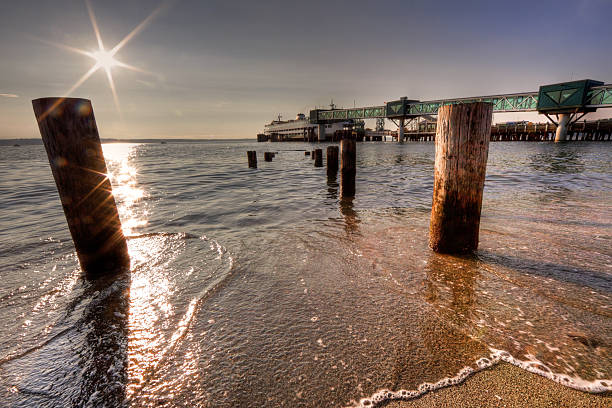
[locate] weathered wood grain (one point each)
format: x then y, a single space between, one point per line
462 148
70 135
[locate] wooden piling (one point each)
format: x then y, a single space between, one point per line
312 155
70 135
252 158
462 147
268 156
348 158
318 161
306 153
332 159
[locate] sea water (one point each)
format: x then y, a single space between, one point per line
263 287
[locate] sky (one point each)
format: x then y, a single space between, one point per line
222 69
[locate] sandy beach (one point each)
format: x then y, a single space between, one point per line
505 385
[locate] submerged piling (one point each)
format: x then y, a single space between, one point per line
70 135
332 159
462 147
348 157
268 156
307 153
252 158
318 159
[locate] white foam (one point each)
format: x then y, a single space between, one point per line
535 366
532 365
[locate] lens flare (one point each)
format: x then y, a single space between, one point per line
103 58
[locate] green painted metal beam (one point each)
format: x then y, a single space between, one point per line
599 97
594 97
520 102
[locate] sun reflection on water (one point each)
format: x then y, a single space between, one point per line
122 173
151 288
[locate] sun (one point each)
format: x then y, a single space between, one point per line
105 59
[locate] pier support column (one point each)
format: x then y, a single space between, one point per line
70 135
252 158
321 133
462 148
348 167
400 131
332 160
318 160
561 134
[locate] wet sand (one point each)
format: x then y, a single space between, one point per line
505 385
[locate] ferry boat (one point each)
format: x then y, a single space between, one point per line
299 129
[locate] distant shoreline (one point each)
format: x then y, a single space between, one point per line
38 141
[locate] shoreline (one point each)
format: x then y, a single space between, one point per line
505 385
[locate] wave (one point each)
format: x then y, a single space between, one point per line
533 366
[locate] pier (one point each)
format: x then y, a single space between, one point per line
563 104
596 130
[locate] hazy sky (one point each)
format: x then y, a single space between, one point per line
224 68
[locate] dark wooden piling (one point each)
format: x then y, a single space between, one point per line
348 170
268 156
306 153
332 159
318 161
252 157
312 155
462 147
70 135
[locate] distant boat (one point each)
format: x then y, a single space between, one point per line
16 145
163 142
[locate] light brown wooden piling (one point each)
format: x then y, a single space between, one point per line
462 147
332 159
318 161
268 156
70 135
348 170
252 158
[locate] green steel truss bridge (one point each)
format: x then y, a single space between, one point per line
576 97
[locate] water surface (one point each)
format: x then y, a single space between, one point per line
265 288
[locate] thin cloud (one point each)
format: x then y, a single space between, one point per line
7 95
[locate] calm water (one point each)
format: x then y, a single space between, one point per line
263 288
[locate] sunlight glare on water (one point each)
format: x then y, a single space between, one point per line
120 158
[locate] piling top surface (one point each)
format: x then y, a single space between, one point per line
55 106
55 98
49 101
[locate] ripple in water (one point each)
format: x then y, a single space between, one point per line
268 290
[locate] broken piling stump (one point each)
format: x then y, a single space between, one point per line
332 159
70 135
318 159
252 158
348 170
462 147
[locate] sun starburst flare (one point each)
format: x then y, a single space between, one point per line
104 59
